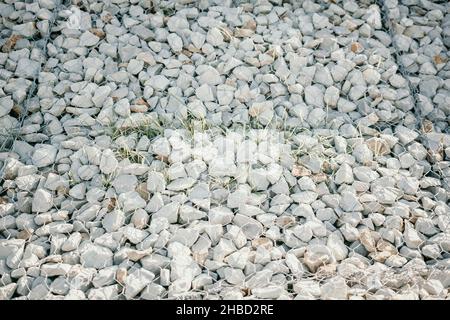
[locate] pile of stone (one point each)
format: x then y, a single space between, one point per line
422 37
25 28
220 149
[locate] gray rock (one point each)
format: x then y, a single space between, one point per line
263 111
323 76
72 242
362 153
140 219
405 135
137 281
250 227
270 292
122 108
87 39
337 247
177 23
108 162
6 104
411 237
95 256
365 174
159 82
426 226
39 292
175 42
334 288
317 255
169 211
408 185
204 93
7 291
27 29
105 277
55 269
125 183
433 287
344 174
197 39
87 172
27 68
42 201
113 221
181 184
349 202
131 201
316 117
156 182
44 155
105 293
214 37
209 75
78 191
186 237
371 76
345 106
135 66
314 96
134 235
100 95
397 81
153 291
220 215
238 119
331 96
385 195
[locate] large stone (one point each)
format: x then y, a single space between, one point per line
27 68
95 256
137 281
113 221
6 104
42 201
108 162
44 155
314 96
175 42
344 174
169 211
87 39
131 201
125 183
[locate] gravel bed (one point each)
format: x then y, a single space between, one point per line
224 149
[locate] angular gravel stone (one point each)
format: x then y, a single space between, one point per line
344 175
44 155
175 42
113 221
94 256
42 201
87 39
314 96
200 149
156 182
331 96
108 162
27 68
137 281
371 76
6 104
